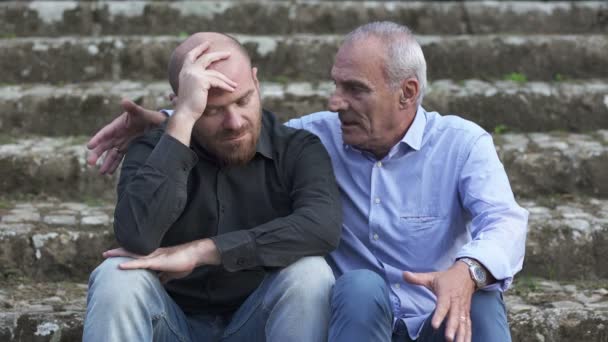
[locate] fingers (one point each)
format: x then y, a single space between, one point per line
111 161
217 80
107 131
422 279
458 323
218 75
119 252
454 321
193 54
207 59
138 263
443 306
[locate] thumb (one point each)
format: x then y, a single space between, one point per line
422 279
131 107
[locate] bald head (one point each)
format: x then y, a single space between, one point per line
238 61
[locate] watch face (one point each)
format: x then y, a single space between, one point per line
480 275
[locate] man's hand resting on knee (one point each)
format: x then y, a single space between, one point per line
454 289
172 262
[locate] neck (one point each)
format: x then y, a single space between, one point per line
387 141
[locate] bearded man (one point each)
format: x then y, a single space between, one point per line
223 215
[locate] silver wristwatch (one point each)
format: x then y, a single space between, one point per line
478 273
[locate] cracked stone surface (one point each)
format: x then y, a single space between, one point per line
54 246
538 164
536 307
286 17
302 57
567 239
32 109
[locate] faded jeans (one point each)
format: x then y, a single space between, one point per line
291 304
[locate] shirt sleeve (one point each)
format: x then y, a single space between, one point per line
152 190
498 224
313 227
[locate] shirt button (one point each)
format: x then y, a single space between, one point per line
377 200
376 237
379 164
397 286
240 261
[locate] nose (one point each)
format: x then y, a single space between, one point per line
233 120
336 103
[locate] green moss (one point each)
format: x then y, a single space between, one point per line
501 129
516 77
280 79
559 77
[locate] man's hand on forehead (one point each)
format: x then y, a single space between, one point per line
196 79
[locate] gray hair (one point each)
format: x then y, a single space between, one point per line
404 57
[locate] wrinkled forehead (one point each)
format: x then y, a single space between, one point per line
361 58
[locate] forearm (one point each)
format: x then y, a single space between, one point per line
282 241
152 195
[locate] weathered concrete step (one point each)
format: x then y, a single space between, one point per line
537 164
555 163
538 310
567 238
80 109
50 166
54 240
303 57
56 18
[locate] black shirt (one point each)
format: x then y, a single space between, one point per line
282 205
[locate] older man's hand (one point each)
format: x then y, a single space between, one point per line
454 289
114 138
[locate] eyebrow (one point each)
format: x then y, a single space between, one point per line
353 83
247 94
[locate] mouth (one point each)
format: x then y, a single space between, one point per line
236 137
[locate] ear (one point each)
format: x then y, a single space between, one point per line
410 88
173 99
254 74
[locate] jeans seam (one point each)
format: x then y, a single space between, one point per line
251 313
171 327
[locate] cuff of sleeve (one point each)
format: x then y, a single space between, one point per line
171 156
237 250
167 112
493 260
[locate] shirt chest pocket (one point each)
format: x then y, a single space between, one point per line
419 221
420 239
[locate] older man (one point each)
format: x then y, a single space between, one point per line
225 204
432 234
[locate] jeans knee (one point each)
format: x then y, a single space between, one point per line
109 284
310 279
361 291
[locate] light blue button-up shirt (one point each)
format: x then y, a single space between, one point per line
440 194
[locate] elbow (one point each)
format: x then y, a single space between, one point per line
133 242
333 228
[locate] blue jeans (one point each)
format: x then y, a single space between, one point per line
291 304
361 311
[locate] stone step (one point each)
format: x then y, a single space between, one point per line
56 18
81 109
304 57
538 310
54 240
537 164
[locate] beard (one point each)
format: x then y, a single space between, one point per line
228 152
